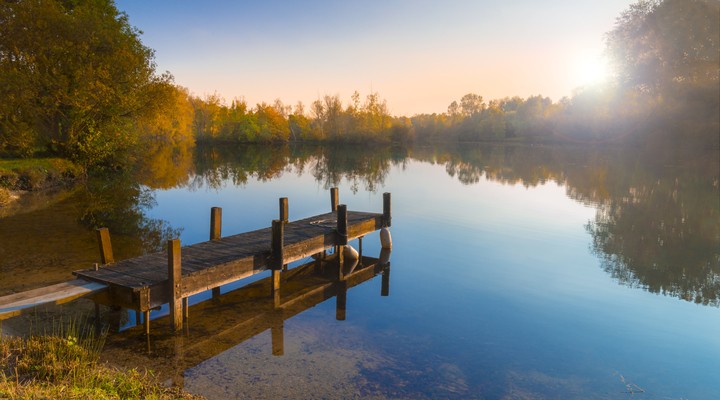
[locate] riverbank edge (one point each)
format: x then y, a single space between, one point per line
21 177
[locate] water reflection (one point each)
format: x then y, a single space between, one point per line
217 325
657 226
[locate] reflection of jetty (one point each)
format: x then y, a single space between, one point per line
241 314
147 282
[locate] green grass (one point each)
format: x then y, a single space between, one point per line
37 173
64 365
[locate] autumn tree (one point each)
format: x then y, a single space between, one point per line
74 75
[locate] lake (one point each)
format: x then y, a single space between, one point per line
517 271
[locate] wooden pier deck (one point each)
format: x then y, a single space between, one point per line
149 281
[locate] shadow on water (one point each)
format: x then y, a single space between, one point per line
216 325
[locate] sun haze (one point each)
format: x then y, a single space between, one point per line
418 55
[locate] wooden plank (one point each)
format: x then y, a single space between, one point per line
14 304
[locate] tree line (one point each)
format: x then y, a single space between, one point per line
76 81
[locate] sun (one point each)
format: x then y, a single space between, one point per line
591 71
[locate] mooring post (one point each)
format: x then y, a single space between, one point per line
106 253
278 228
333 199
215 234
341 302
387 216
175 281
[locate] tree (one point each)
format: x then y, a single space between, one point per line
73 76
657 44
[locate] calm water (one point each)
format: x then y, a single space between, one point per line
516 272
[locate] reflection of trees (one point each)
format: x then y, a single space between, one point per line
217 165
119 205
658 220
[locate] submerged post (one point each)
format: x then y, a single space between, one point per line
215 234
387 216
333 199
175 282
106 254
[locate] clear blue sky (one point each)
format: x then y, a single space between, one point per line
418 55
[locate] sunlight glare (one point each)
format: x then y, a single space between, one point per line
591 71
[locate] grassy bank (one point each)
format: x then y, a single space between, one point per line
35 174
65 366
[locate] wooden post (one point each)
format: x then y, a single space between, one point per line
215 223
342 225
284 217
215 234
106 254
387 216
385 286
276 263
147 322
360 263
284 209
341 302
175 283
333 199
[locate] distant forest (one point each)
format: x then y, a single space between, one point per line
77 82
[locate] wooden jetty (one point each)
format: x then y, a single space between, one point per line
246 312
145 283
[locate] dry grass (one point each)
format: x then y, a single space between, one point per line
64 365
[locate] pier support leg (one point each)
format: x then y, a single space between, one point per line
147 322
277 244
215 234
175 281
342 237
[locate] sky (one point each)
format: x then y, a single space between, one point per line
418 55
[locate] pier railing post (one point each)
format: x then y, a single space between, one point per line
276 263
387 216
175 282
333 199
106 253
215 223
284 209
215 234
